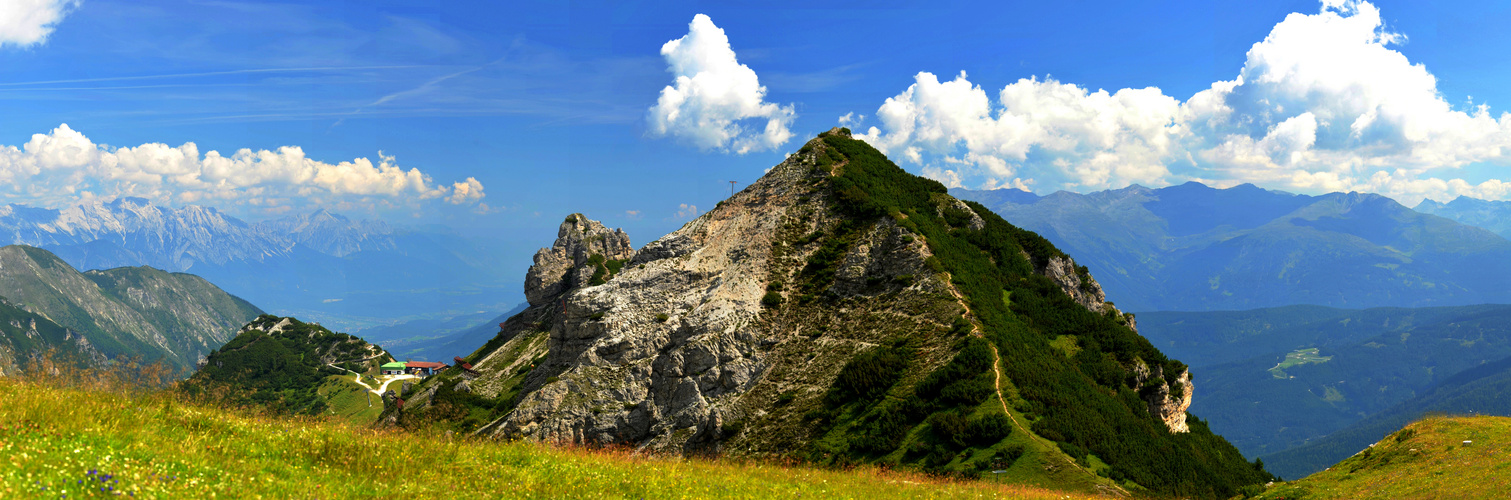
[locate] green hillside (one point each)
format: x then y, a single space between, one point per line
1439 457
287 366
138 312
73 442
27 336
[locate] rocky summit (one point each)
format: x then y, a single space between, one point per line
839 310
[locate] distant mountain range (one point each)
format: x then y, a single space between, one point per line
321 265
46 305
1492 215
1193 247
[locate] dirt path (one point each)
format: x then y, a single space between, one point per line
387 380
393 379
997 385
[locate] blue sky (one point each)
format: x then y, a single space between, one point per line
548 109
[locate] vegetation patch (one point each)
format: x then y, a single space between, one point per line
1078 391
1298 357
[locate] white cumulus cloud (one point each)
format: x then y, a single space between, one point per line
1093 139
715 102
63 166
1324 102
24 23
465 192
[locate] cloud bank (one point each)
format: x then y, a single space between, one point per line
1323 103
64 167
24 23
716 103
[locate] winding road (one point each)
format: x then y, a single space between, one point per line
386 379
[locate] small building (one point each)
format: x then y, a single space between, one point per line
394 368
464 364
424 368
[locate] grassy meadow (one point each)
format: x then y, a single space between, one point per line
90 437
1438 457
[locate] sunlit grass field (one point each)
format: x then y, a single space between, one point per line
1427 459
81 440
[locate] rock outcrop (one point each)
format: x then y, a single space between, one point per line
565 265
1156 391
1078 284
681 344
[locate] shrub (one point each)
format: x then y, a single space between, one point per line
785 398
597 316
988 429
869 374
662 317
949 427
732 427
772 299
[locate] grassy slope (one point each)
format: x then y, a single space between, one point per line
157 447
345 399
1427 459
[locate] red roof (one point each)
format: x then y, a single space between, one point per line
424 364
460 362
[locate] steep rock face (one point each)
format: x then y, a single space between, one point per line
1078 285
614 372
1169 408
565 265
679 343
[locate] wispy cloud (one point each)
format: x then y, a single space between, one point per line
214 73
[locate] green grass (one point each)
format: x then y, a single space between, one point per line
157 445
1298 357
1427 459
344 398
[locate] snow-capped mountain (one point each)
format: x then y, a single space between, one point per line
320 265
133 232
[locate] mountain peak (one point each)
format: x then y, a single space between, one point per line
838 300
